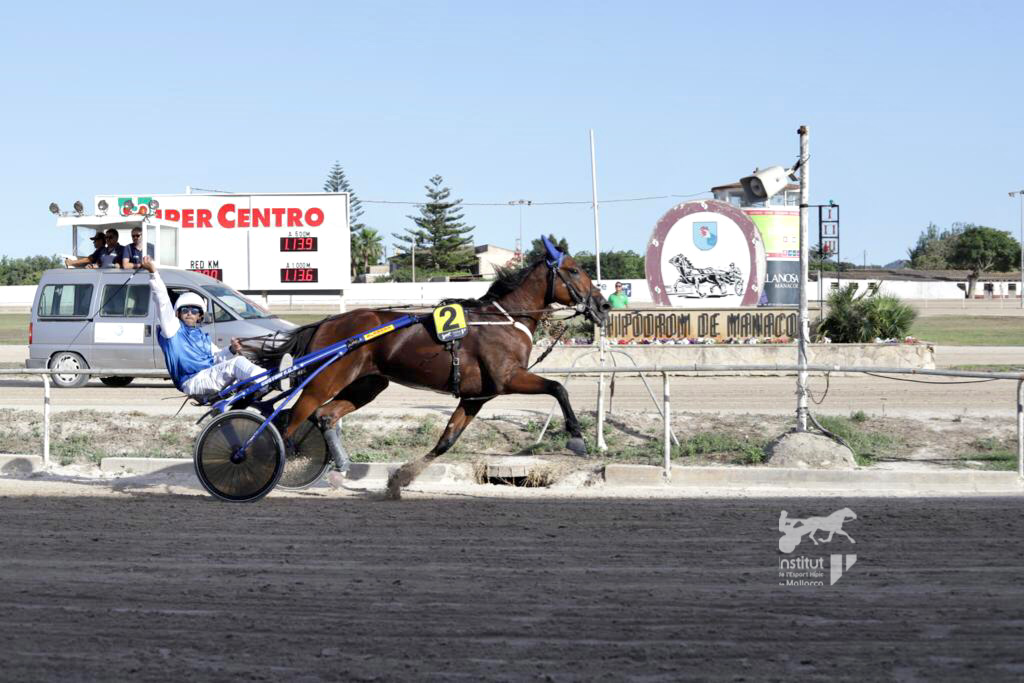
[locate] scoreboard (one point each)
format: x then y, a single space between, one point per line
253 242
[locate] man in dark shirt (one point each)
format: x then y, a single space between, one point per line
93 260
132 254
113 253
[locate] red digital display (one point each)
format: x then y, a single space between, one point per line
215 273
298 244
299 275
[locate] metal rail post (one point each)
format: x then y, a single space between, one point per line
601 445
46 421
801 382
1020 428
668 431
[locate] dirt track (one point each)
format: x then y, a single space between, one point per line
148 584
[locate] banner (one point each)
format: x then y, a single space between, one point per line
634 325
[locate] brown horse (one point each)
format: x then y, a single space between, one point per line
493 358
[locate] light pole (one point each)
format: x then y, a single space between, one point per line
1020 193
522 247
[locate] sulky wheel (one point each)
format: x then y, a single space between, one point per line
227 472
307 458
739 289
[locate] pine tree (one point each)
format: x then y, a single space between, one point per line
443 242
337 182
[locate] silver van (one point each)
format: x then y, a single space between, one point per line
106 318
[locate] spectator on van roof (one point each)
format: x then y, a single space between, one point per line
196 365
132 255
113 253
92 260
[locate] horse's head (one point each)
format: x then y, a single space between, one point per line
569 285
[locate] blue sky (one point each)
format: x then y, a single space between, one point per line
916 110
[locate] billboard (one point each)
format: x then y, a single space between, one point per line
705 254
252 242
780 233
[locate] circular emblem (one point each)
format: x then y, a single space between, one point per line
705 254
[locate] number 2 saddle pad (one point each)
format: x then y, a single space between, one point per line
450 322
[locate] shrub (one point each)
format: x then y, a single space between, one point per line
856 319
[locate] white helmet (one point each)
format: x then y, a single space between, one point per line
190 299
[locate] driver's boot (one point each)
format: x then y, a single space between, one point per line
332 435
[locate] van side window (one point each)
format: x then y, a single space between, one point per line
220 314
125 302
65 301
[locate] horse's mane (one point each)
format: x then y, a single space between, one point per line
506 282
685 261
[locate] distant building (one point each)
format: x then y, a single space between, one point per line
489 257
908 283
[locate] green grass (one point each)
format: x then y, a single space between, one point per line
867 445
992 453
989 368
970 331
14 328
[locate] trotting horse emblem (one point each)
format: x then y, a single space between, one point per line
692 278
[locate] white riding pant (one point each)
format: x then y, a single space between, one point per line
214 378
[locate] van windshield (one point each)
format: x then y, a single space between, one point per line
236 302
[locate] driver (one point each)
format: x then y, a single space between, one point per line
196 365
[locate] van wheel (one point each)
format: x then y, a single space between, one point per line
117 381
68 360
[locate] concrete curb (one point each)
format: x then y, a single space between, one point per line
970 481
360 471
16 465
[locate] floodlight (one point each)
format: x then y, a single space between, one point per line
128 207
102 205
54 209
154 204
79 208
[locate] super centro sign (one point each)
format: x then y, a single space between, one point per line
253 242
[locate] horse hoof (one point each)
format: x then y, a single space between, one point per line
577 446
336 479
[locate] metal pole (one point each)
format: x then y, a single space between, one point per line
1020 193
601 445
801 382
1020 429
46 421
414 259
597 219
667 436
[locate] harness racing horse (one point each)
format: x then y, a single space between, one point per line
492 358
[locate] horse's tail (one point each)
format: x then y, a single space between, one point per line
267 351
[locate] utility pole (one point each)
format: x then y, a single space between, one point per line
1020 193
521 203
801 382
597 219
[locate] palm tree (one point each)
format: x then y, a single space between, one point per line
366 249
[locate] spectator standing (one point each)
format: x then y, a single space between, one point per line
132 254
618 299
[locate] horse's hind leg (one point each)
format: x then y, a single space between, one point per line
460 419
351 398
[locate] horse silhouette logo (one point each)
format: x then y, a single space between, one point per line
793 530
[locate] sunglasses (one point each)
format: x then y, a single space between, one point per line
191 310
136 234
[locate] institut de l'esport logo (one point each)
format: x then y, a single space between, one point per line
807 570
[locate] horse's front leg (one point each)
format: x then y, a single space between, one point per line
524 382
460 419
